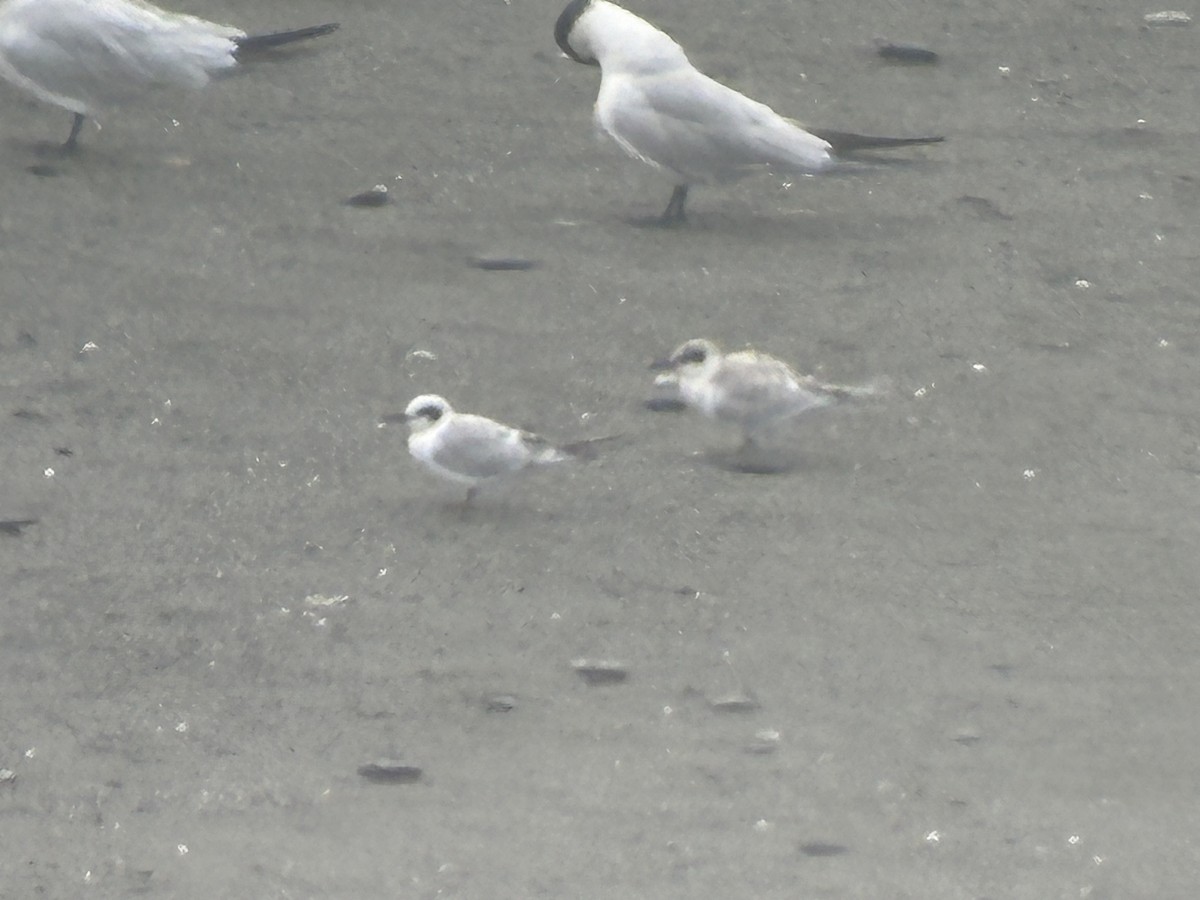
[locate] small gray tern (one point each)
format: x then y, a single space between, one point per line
749 389
471 449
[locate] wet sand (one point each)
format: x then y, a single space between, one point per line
966 615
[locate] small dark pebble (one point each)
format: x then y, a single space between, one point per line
43 170
376 196
15 526
64 451
910 54
665 404
386 772
819 849
503 263
600 672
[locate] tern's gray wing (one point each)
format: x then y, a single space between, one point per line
685 121
756 389
480 448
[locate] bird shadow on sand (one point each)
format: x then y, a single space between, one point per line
767 460
491 511
40 157
742 225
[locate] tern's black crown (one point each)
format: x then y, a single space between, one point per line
562 29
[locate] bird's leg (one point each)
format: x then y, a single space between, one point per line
72 140
673 214
46 150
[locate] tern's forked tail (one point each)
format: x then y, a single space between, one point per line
257 43
849 141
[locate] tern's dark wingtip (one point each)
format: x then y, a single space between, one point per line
257 43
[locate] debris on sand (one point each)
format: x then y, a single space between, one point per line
369 199
1167 17
14 527
500 703
734 702
909 54
388 771
766 741
820 848
503 263
600 671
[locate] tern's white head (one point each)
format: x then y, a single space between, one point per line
426 411
599 33
697 359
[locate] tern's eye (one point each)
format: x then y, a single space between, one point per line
693 355
432 413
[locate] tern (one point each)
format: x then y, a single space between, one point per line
662 110
749 389
471 449
85 55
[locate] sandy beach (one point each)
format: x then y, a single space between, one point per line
949 653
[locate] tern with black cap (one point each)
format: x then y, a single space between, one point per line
662 110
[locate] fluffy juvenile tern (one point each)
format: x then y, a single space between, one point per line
659 108
752 390
472 449
85 55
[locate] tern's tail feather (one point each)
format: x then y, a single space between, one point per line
586 451
874 389
256 43
848 141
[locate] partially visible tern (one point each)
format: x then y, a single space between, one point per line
85 55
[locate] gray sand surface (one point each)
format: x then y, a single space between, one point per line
968 611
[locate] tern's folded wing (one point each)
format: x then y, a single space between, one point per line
480 448
758 387
685 121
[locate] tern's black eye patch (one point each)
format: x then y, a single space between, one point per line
693 355
431 412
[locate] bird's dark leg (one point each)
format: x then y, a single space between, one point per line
72 140
673 214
